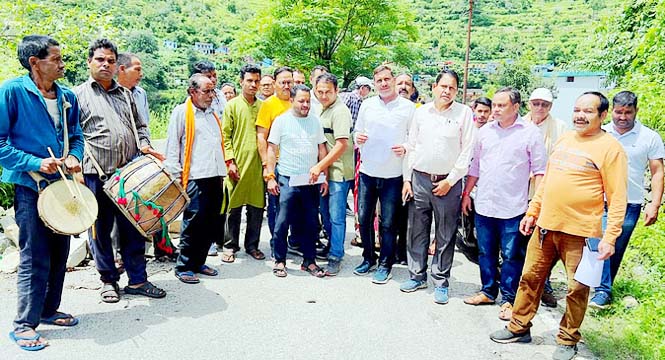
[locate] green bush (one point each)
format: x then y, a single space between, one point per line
6 194
637 333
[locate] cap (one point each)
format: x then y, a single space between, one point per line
363 81
541 94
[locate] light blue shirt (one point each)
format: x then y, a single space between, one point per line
298 140
141 100
641 145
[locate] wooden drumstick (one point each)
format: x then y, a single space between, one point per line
78 190
62 174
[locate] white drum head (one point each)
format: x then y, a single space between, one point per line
65 214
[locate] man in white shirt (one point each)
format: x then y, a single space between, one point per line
381 133
197 160
439 151
644 148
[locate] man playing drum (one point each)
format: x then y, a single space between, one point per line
112 128
33 109
195 155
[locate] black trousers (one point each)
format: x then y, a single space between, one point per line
201 223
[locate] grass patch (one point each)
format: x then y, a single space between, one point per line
637 333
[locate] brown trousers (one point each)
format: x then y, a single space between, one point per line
540 257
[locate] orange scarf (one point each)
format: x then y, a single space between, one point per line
189 138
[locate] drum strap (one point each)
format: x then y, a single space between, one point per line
65 132
95 163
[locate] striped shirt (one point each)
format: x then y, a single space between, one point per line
106 124
298 140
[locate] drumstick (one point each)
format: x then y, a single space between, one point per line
78 190
80 198
62 173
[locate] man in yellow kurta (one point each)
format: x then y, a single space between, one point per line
244 185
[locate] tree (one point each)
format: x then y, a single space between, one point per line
348 36
632 50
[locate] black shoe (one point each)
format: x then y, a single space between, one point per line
548 300
322 253
505 336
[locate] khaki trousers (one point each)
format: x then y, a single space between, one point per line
542 253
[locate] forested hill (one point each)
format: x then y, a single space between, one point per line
537 31
417 35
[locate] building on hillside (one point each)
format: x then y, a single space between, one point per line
204 48
570 85
170 44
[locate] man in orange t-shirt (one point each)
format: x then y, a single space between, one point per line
585 168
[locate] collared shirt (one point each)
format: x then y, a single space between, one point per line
641 145
336 122
206 159
298 140
440 142
27 131
353 102
141 99
218 103
271 108
106 122
503 160
315 105
385 125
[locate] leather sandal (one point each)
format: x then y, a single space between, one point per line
257 254
110 293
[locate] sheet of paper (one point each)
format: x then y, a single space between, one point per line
380 140
590 269
303 179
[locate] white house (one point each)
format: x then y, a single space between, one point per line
569 86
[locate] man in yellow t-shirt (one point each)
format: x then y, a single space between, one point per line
585 168
271 108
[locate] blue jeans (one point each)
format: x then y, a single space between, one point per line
333 216
41 271
132 243
298 207
500 234
611 265
389 193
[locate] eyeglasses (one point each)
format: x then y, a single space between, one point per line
285 83
206 92
542 104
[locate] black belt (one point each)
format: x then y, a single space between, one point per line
434 178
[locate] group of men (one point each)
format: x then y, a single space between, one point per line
413 165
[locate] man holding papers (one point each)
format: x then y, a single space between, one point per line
299 138
381 133
586 167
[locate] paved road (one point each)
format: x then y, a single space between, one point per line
247 313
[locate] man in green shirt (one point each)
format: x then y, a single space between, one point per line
336 121
244 184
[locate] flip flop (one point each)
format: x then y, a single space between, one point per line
15 338
208 271
228 258
60 316
257 254
147 289
187 277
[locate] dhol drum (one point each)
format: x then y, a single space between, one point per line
65 212
147 195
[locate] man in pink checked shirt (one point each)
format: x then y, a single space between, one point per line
507 151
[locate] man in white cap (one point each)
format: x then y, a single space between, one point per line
540 104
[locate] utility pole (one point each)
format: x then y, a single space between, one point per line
468 50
